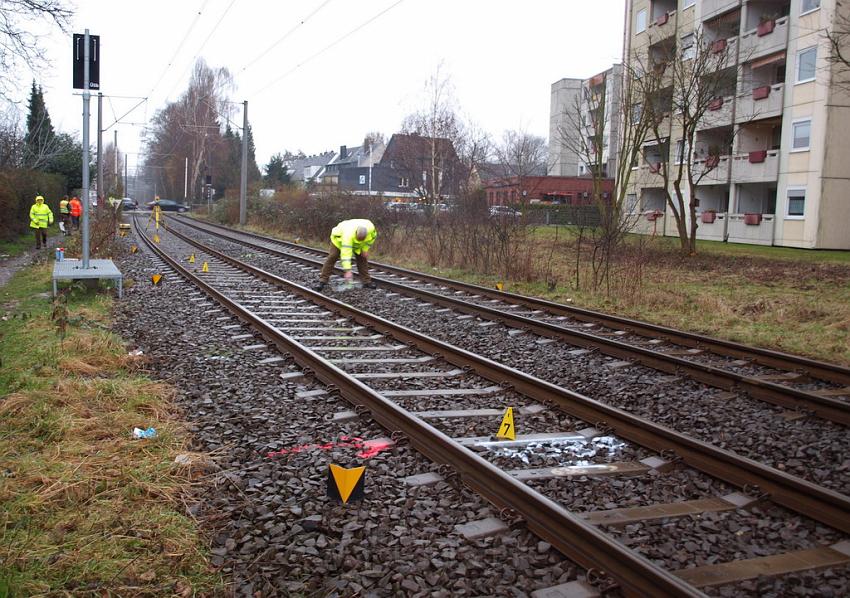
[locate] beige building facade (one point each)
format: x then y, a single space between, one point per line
782 128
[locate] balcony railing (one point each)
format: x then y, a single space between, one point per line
716 169
751 228
719 113
760 166
767 38
712 225
662 27
762 102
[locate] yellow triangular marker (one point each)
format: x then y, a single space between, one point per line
506 429
499 286
192 259
156 278
346 479
205 268
133 249
156 238
123 233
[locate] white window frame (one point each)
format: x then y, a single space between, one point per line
689 51
797 65
794 124
688 3
637 21
788 192
803 11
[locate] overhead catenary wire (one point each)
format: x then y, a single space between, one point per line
328 47
285 36
179 47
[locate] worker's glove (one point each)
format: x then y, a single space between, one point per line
348 275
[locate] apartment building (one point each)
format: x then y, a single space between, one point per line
780 132
575 102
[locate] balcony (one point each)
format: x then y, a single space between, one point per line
711 225
761 102
663 26
767 38
756 229
719 113
760 166
718 173
712 8
650 175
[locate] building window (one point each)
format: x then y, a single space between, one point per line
631 203
688 3
403 182
796 203
806 60
362 179
808 6
801 134
683 150
688 47
640 21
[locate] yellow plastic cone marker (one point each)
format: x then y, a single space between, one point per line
205 268
156 238
506 429
156 279
192 259
500 285
346 484
123 233
133 249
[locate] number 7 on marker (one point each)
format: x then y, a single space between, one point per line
506 428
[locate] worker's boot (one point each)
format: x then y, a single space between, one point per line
320 286
370 285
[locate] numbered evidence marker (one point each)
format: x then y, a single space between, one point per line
205 267
133 249
156 279
506 429
346 484
156 238
500 285
192 259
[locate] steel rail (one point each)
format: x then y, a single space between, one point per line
766 357
830 408
580 541
796 494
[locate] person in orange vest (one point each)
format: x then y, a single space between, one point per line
76 209
41 216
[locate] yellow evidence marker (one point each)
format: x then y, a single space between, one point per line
156 238
133 249
156 279
506 429
346 484
500 285
205 268
192 259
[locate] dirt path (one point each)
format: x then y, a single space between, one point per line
8 266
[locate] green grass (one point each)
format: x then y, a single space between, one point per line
84 508
22 243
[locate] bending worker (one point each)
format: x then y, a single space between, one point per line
350 237
41 216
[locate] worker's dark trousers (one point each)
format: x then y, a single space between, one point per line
333 256
40 237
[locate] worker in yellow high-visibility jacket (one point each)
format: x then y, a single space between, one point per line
41 216
350 238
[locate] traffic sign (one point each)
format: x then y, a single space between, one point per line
94 61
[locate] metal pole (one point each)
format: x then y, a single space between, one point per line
126 194
85 198
370 170
100 144
186 180
115 157
243 183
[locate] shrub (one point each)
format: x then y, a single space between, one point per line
18 189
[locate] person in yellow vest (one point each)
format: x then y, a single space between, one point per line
41 216
65 216
350 238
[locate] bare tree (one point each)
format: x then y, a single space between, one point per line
19 43
681 88
521 155
838 37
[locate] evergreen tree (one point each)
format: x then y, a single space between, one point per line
276 172
40 136
253 169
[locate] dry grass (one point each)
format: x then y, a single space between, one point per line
84 507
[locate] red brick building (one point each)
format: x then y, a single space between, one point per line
569 190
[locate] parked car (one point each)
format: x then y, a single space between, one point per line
129 203
167 205
504 211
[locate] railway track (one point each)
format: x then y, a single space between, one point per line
794 383
388 369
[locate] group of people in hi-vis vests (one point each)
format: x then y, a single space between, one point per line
41 216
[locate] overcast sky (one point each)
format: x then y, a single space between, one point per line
501 56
